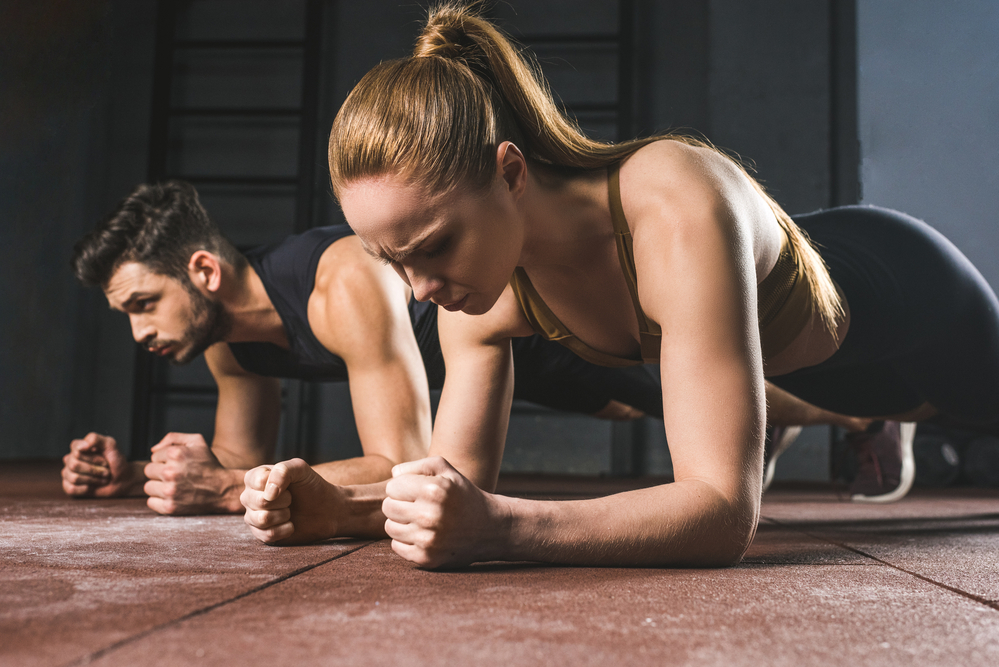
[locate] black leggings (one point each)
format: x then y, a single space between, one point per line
552 375
924 324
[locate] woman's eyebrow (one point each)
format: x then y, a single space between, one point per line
406 250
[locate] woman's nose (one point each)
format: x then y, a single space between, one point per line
424 286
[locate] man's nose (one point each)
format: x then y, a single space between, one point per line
142 331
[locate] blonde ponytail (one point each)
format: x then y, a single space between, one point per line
437 118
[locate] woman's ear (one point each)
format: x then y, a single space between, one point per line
511 165
205 271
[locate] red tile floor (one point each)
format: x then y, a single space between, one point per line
826 583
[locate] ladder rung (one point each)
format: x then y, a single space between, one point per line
592 107
569 38
239 44
186 389
256 112
238 180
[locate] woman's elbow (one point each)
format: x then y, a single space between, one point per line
731 535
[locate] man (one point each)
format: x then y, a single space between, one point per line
314 306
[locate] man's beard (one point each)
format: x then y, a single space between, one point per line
210 323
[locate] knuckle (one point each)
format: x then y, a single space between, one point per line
434 491
429 517
426 541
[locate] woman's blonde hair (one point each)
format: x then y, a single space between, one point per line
438 116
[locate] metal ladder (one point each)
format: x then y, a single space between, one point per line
176 56
614 110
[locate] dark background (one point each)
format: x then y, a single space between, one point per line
834 101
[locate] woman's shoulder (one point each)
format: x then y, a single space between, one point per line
672 175
676 160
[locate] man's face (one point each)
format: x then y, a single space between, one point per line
169 317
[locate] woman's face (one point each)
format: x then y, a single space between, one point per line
457 249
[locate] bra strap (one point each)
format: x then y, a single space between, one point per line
649 332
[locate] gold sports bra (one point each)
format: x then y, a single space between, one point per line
784 301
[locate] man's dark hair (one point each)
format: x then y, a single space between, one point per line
159 226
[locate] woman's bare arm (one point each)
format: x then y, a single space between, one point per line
694 252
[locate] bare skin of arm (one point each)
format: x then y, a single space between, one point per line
696 224
359 311
186 476
363 317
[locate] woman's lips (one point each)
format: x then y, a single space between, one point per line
457 305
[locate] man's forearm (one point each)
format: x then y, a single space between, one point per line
134 480
362 511
368 469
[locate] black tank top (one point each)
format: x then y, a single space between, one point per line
288 271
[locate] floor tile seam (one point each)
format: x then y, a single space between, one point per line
991 604
99 653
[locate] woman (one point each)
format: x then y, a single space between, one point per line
456 167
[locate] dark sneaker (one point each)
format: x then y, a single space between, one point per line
887 466
779 438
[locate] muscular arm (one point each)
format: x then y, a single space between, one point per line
696 275
248 412
696 272
359 311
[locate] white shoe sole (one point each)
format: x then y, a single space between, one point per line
907 432
790 434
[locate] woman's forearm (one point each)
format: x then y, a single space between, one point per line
686 523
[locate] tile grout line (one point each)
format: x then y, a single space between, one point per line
90 657
991 604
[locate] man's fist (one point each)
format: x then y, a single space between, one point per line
186 478
95 468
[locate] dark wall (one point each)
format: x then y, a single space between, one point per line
929 117
753 76
67 65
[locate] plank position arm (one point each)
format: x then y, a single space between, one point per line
359 311
697 275
362 315
185 476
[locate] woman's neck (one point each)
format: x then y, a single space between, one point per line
567 217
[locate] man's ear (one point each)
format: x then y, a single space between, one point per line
205 271
512 167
